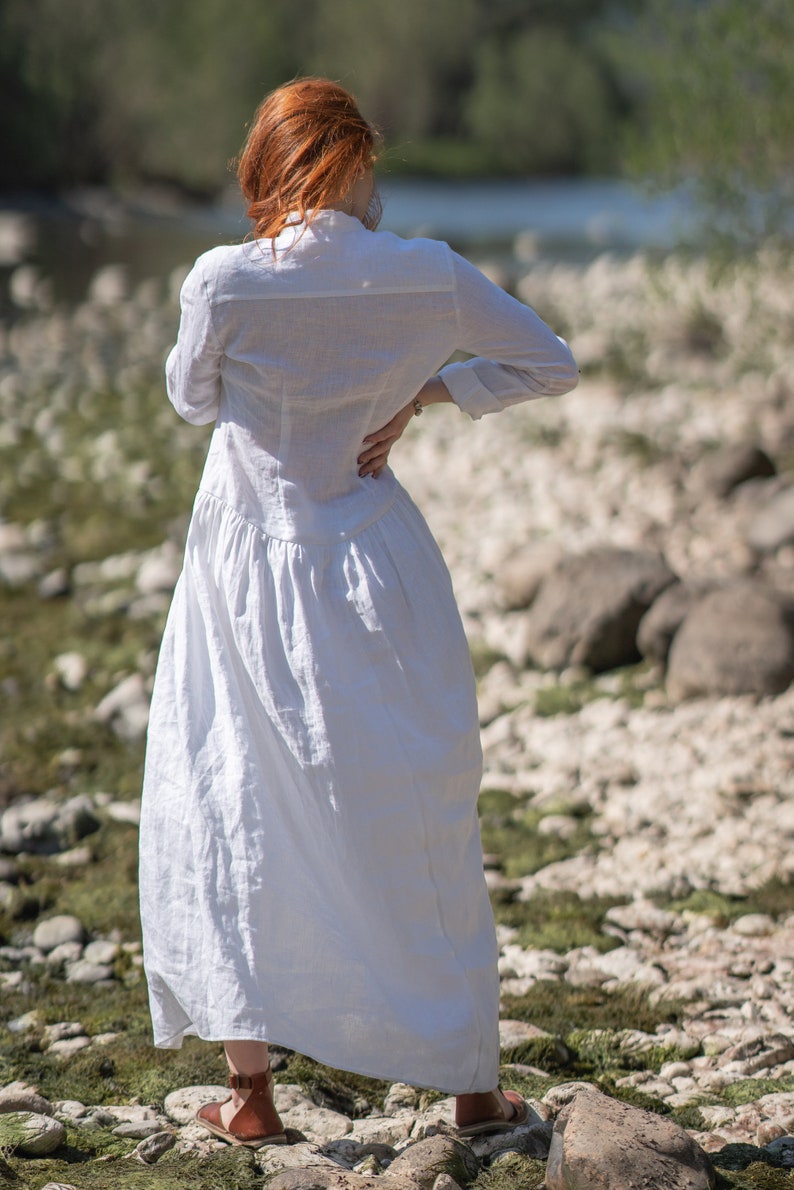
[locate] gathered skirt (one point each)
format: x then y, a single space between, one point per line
310 860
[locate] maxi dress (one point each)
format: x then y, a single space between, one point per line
310 860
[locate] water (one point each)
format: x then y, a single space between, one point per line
558 219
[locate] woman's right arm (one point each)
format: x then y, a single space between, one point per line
193 368
517 357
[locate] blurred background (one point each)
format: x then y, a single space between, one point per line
533 116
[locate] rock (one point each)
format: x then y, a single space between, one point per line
126 708
62 1030
514 1033
318 1124
59 1186
109 285
422 1162
722 470
19 1097
600 1143
588 609
445 1182
101 951
738 639
754 925
760 1053
129 812
152 1147
72 1109
532 1139
44 827
71 670
66 952
520 576
30 1133
388 1130
773 526
664 617
138 1130
54 585
159 569
84 972
54 931
643 915
181 1106
68 1047
274 1159
400 1097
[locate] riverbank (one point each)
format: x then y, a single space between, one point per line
637 842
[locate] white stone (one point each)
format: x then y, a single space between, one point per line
38 1135
54 931
71 670
84 972
68 1047
66 952
181 1105
101 951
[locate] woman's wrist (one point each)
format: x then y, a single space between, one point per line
433 392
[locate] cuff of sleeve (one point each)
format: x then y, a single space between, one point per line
468 393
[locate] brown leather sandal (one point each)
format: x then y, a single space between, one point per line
257 1122
499 1123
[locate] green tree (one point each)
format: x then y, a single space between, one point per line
541 103
714 87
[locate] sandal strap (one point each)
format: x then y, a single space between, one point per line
251 1082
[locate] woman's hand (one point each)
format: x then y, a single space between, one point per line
377 445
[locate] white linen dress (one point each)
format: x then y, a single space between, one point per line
310 861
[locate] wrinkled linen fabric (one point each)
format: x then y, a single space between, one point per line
310 861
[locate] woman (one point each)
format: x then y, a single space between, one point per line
311 870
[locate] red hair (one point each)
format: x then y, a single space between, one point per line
305 149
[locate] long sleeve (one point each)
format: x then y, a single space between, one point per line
193 368
517 356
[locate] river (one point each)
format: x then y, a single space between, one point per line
561 219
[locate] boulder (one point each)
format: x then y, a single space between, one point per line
30 1133
738 639
589 607
773 526
422 1162
600 1143
722 470
664 617
519 577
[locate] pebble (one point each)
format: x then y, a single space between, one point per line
152 1147
83 971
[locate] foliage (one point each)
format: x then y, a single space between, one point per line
103 92
714 91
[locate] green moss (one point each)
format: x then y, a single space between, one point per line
38 721
483 656
512 833
562 1009
565 699
514 1172
224 1169
556 920
742 1156
758 1176
747 1090
776 898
